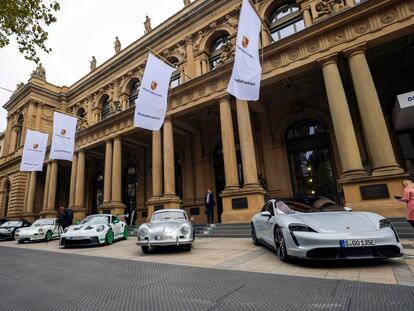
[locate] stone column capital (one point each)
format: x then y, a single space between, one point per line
224 98
330 59
358 49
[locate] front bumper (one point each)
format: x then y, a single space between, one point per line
84 241
321 246
29 237
170 242
6 236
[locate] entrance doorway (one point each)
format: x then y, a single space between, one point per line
97 192
406 140
310 160
220 178
130 192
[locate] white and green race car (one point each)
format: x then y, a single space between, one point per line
41 230
95 230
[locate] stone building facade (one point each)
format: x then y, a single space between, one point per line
323 125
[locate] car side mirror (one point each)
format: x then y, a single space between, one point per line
348 209
77 222
116 221
265 214
192 219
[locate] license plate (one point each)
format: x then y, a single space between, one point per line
357 243
159 238
76 238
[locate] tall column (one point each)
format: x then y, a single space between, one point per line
307 18
73 180
156 164
169 173
190 57
265 38
375 128
229 147
12 146
31 193
204 65
47 182
51 201
80 181
117 172
342 121
108 172
246 144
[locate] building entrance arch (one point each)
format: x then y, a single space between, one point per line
310 160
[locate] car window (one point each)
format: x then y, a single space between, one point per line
169 215
269 208
282 208
114 218
12 224
300 207
43 222
95 220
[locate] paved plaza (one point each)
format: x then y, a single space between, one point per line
62 280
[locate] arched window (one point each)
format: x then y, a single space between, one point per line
105 107
285 20
81 113
215 51
6 199
134 93
176 76
310 161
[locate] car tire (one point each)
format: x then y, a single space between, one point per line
20 241
280 244
254 236
188 247
145 249
48 236
109 238
125 235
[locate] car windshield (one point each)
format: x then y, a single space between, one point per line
169 215
314 205
283 208
12 224
43 222
95 220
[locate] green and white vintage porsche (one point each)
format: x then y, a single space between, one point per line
41 230
95 230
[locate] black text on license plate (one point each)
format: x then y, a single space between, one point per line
357 243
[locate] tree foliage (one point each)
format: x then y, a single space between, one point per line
26 21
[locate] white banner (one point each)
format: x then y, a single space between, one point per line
63 139
245 79
34 151
151 104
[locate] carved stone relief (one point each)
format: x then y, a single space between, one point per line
361 27
388 17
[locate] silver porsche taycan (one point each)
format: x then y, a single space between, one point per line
168 227
317 228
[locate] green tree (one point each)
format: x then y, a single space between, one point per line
26 21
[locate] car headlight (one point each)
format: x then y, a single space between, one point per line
17 231
41 230
66 230
10 229
385 223
300 227
100 228
143 231
185 229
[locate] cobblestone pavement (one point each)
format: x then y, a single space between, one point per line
241 255
41 280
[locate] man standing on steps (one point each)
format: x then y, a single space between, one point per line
209 203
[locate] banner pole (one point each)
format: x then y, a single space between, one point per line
169 63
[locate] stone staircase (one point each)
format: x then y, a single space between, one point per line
404 229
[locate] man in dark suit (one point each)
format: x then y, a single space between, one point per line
209 203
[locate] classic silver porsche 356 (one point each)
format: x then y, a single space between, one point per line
168 227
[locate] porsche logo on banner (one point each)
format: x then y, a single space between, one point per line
151 104
34 151
244 83
63 139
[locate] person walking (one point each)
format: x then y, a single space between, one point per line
209 203
65 217
408 198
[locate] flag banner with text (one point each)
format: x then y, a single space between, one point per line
151 104
245 79
63 139
34 151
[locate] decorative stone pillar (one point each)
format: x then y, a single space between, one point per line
342 121
51 198
266 40
375 128
80 181
204 65
29 212
117 207
239 206
156 164
46 191
108 173
246 144
229 146
169 169
307 18
190 57
73 180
